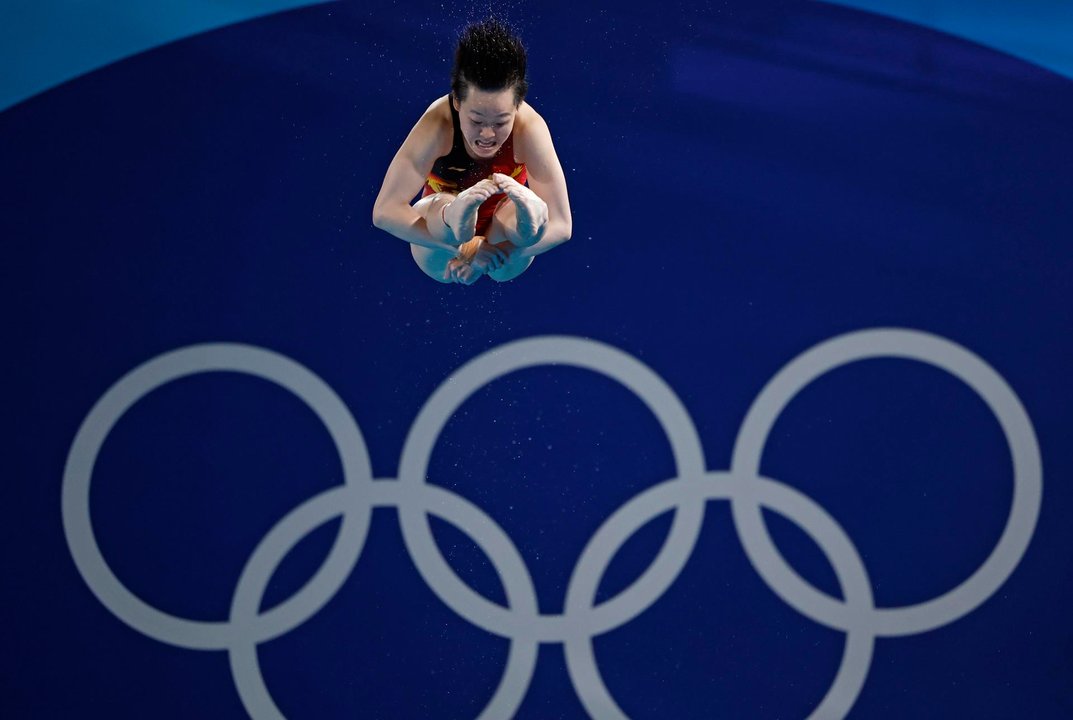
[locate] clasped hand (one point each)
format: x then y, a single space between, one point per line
475 258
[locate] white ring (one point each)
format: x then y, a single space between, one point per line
131 388
962 364
795 506
287 533
577 352
581 621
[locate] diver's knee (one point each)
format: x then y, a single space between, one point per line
511 270
432 262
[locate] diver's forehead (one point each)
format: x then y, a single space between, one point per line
494 104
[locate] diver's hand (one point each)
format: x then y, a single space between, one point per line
461 272
484 255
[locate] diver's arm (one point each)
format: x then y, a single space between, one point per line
405 176
547 180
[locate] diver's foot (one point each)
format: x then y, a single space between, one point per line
460 215
530 211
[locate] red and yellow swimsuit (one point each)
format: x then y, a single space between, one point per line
456 171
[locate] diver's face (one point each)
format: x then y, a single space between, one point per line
487 119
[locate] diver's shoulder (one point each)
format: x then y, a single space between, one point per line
527 113
529 120
439 111
436 124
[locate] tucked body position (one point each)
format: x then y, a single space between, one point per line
493 192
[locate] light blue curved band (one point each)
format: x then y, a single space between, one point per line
46 42
1039 31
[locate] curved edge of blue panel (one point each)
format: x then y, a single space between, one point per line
1037 31
45 43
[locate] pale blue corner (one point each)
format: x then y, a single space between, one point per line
46 42
1040 31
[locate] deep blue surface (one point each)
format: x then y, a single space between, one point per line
747 180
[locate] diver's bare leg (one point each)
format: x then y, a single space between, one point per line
504 226
453 219
433 262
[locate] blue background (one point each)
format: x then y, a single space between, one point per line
747 179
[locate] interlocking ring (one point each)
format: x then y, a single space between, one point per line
581 620
962 364
271 366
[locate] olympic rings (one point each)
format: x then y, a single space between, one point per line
581 621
